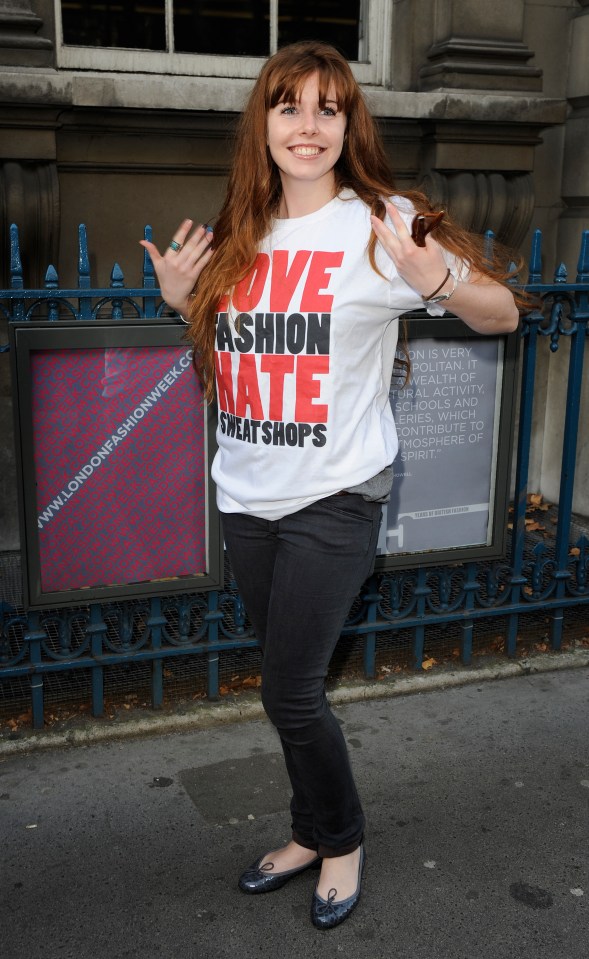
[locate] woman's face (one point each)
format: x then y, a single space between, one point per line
306 141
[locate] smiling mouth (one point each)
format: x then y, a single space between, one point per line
306 151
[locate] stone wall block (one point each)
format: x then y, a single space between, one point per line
19 26
480 65
578 79
479 51
481 201
27 33
29 197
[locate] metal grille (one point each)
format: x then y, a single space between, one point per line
160 651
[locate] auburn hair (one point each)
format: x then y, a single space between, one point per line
254 188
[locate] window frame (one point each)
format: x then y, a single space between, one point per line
374 70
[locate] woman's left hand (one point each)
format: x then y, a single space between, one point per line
422 267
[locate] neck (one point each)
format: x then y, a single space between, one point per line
300 199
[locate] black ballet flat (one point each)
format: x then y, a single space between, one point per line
258 879
325 913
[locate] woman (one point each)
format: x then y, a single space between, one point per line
294 304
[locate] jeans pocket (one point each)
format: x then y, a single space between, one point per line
352 504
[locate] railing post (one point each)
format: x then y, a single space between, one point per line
467 626
97 629
212 619
84 302
528 380
149 281
579 317
34 637
371 598
422 591
155 622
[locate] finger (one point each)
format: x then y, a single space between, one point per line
380 228
153 251
398 221
197 242
386 236
179 237
431 243
202 261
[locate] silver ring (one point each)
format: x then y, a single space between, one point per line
175 246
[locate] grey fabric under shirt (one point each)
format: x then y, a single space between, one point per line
377 489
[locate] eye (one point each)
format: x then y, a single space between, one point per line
288 111
328 112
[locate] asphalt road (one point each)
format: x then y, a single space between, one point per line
477 800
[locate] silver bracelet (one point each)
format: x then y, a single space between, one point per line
443 296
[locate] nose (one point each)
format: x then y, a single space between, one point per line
309 122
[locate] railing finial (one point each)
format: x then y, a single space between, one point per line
583 265
489 243
535 268
148 270
16 277
83 258
117 277
561 273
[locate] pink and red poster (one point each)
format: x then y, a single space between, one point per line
120 463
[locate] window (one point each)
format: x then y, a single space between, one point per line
226 38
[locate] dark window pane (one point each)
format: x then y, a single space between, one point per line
230 27
126 23
333 21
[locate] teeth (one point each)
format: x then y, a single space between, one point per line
306 151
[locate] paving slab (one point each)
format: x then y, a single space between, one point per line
477 800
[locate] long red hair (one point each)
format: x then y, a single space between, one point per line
254 186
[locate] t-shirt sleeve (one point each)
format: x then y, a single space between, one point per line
457 266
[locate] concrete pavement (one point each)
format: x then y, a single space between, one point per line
477 799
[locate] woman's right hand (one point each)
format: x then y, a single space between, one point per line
178 271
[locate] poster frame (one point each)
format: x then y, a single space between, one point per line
30 336
450 329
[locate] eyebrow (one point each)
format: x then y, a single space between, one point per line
298 100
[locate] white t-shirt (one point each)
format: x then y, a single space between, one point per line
304 357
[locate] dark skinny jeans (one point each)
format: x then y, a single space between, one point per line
298 577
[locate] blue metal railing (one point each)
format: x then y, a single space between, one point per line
533 578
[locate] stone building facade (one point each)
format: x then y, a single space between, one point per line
484 105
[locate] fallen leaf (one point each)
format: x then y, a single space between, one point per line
532 526
428 663
574 551
534 499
